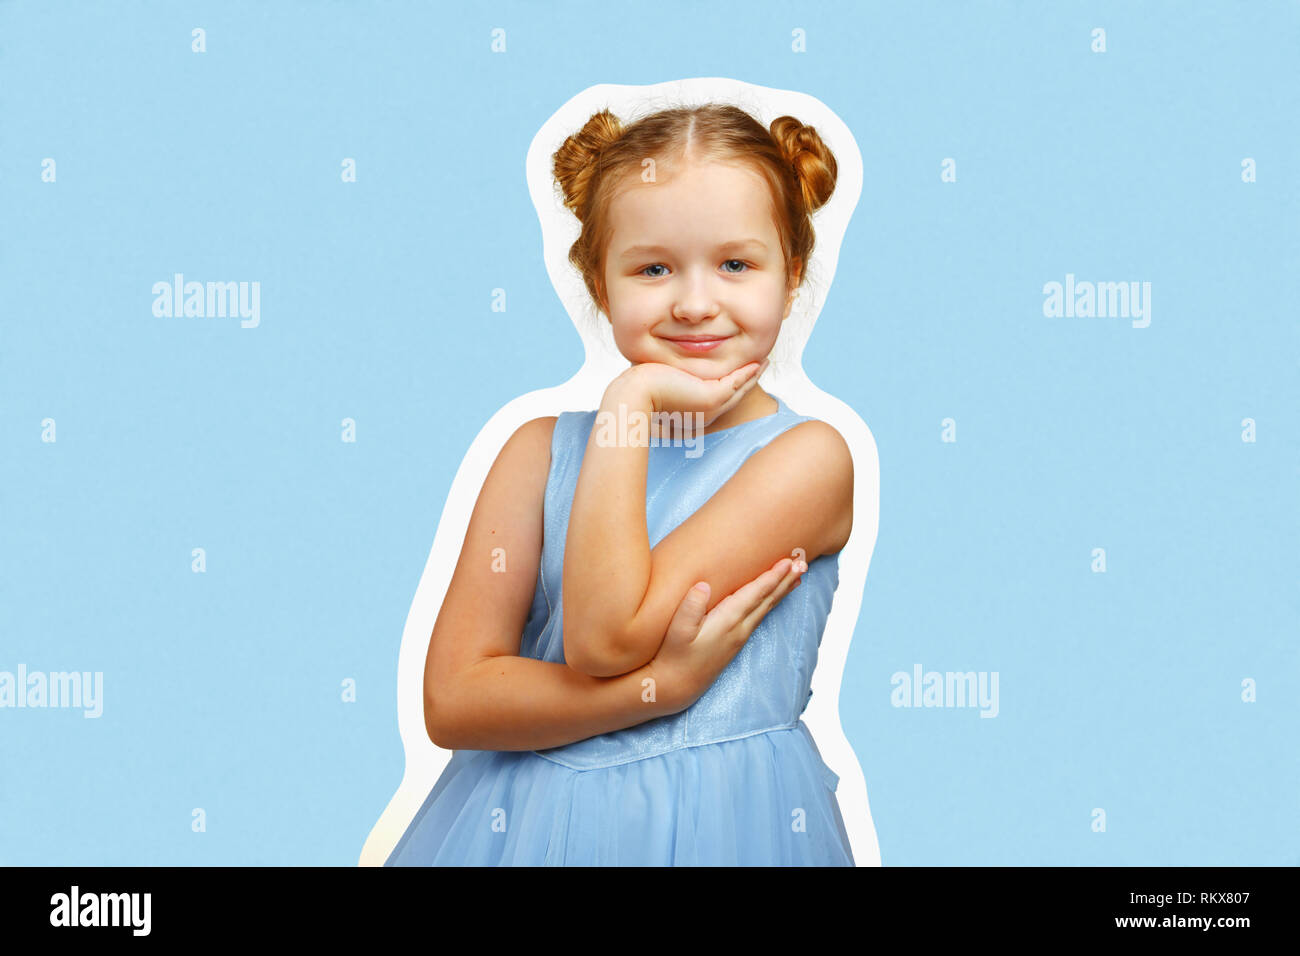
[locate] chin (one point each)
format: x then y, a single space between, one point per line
700 364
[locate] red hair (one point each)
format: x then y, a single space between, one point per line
597 161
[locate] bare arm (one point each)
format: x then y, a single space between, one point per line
619 594
519 703
478 693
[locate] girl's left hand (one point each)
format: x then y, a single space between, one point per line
671 389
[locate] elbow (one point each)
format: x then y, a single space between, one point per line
608 658
437 734
437 722
596 665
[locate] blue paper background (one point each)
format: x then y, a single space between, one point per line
1119 690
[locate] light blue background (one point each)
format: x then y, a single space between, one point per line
1118 690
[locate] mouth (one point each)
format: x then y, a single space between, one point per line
695 344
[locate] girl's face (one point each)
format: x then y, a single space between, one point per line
694 275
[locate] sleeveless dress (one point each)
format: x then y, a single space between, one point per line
733 780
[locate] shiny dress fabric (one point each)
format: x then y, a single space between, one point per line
733 780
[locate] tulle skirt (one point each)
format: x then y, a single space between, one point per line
763 800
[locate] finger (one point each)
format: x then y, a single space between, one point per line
732 399
736 378
690 613
759 595
748 373
772 599
740 602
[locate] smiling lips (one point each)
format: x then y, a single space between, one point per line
698 343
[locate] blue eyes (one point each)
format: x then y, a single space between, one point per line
659 275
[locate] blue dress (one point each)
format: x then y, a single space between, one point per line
733 780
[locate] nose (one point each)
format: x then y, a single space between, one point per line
696 301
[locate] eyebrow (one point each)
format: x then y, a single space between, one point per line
633 251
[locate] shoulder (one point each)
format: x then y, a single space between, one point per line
537 430
814 443
526 455
813 457
533 438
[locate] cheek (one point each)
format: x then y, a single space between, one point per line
631 315
631 333
765 308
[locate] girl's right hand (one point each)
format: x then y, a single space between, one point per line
697 647
667 388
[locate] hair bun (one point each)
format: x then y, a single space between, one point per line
812 159
575 162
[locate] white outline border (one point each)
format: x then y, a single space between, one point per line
785 377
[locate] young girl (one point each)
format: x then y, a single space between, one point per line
595 718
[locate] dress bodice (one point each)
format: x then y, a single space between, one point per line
767 685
